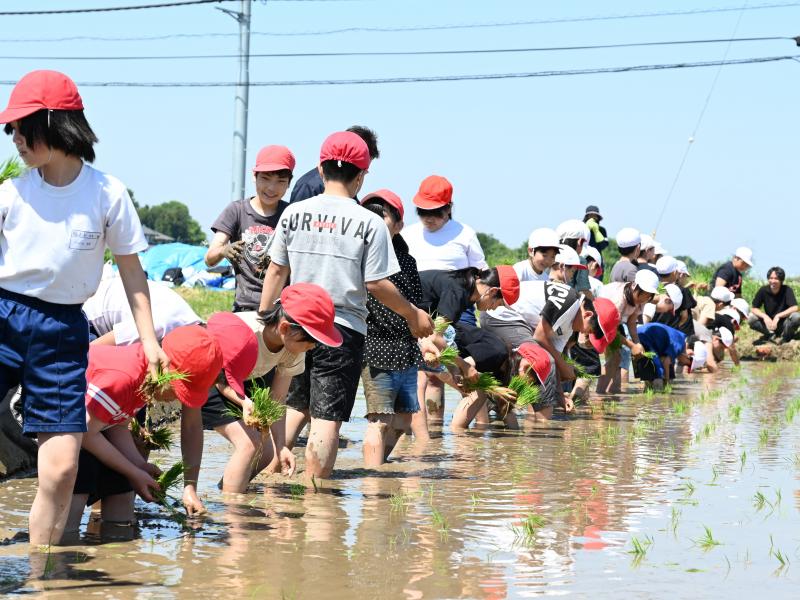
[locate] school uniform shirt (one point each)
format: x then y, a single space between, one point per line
52 239
339 245
390 345
108 310
772 304
240 221
113 380
454 246
525 272
663 340
283 361
732 278
556 303
624 271
615 292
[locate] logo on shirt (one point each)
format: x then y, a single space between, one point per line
83 240
325 223
256 243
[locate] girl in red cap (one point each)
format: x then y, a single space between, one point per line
55 222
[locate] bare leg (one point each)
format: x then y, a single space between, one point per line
322 448
401 424
608 380
295 421
247 450
76 509
419 421
580 392
539 416
434 399
58 466
375 439
466 410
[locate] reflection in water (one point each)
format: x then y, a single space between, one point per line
489 515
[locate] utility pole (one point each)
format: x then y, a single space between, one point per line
241 99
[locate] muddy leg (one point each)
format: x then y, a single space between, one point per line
401 424
419 421
295 421
434 399
466 410
76 509
375 439
323 445
246 454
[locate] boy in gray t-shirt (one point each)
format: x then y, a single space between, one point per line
333 242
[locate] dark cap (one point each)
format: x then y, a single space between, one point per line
593 210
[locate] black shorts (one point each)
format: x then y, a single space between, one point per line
486 348
98 480
588 358
328 386
216 410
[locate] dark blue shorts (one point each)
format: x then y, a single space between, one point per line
44 348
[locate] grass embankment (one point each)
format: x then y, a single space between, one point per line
206 302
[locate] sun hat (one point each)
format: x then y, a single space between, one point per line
345 146
675 294
543 237
593 211
568 257
239 347
434 192
649 310
725 335
573 229
647 281
274 158
722 294
593 253
41 90
541 362
311 307
745 253
628 237
646 243
608 318
509 283
699 357
666 265
387 196
682 268
659 250
741 305
193 351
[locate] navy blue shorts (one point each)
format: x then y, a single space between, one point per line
44 348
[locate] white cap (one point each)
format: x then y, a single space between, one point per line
722 294
649 310
567 256
700 356
726 336
628 237
741 305
682 268
593 253
732 313
745 254
675 294
666 265
658 248
543 237
646 280
647 242
573 229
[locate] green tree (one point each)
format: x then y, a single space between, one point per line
497 253
173 219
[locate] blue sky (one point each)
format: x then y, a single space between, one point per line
521 153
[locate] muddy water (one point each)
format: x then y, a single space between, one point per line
449 521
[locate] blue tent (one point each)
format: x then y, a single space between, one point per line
158 259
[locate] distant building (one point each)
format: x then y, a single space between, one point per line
156 237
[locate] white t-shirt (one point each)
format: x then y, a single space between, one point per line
594 286
285 362
454 246
616 293
52 239
525 272
108 310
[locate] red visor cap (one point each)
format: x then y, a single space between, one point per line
193 351
434 192
387 196
274 158
539 360
239 347
311 307
41 90
509 284
608 317
347 147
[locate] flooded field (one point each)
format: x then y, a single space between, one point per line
690 495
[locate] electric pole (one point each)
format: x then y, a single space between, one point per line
241 99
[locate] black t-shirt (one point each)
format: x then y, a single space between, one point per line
721 320
774 303
646 266
674 320
732 277
443 294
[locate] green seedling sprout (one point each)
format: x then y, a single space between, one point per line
615 345
440 522
782 558
168 481
580 370
640 547
488 384
527 393
440 324
159 438
266 410
297 491
448 356
707 542
153 387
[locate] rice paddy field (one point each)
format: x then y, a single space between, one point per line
694 494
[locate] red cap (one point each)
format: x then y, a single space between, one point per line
539 359
387 196
509 283
239 347
608 317
274 158
312 308
346 147
434 192
38 90
192 350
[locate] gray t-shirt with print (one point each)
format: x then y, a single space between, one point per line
339 245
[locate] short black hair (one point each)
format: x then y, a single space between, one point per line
628 250
271 317
571 242
369 137
382 208
346 173
283 173
470 276
779 273
65 130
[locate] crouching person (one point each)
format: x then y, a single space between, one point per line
110 467
669 346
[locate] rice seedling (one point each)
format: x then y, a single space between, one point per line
266 410
778 498
527 393
640 547
474 499
715 470
667 389
615 345
168 481
760 501
580 370
11 168
679 408
525 533
792 409
688 489
489 385
707 541
152 387
160 438
763 437
735 412
674 520
297 491
742 459
398 502
448 357
649 392
773 385
440 522
440 324
782 558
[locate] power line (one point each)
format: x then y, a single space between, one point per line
479 77
407 52
72 11
410 28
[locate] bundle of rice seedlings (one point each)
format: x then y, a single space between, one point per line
152 387
440 324
488 384
527 393
580 370
159 438
447 357
168 481
266 410
616 344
